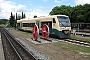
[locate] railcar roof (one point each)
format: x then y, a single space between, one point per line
41 17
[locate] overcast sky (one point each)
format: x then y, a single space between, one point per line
34 7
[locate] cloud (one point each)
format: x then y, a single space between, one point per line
28 1
31 4
38 13
0 9
6 7
59 1
82 2
45 0
1 0
21 8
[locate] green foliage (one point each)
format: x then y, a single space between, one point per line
12 20
80 38
79 13
72 47
3 21
16 17
19 17
23 15
35 16
62 10
86 8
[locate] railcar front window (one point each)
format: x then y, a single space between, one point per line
64 21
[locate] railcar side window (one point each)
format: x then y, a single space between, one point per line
25 24
54 20
42 23
31 24
49 23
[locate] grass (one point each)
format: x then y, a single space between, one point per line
80 38
75 48
30 34
26 33
71 47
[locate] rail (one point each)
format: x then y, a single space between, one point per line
20 50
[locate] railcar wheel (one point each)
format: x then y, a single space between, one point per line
45 31
35 32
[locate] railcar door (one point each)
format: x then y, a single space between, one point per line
49 23
38 23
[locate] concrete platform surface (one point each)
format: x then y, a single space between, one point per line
1 50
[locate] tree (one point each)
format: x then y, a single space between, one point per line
3 21
62 10
19 17
35 16
16 17
79 13
24 16
55 11
16 20
86 9
12 20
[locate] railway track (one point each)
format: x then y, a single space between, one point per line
85 33
18 55
74 41
13 50
50 40
78 42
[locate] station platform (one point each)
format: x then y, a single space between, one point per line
1 50
80 33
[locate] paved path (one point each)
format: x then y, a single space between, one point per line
1 50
